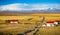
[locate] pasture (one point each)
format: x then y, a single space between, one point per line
21 28
28 22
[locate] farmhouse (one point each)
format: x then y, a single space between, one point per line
13 21
50 23
53 23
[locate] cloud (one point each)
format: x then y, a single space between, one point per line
19 7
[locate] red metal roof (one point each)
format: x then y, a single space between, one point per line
50 22
57 20
13 20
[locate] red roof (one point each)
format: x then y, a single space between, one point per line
13 20
50 22
57 20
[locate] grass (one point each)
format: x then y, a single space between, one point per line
15 28
49 31
21 28
26 24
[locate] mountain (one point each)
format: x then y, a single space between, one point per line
51 10
17 7
30 11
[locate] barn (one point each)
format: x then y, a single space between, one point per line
50 23
13 21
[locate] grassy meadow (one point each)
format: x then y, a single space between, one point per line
28 22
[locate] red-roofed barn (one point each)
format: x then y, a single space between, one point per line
50 23
13 21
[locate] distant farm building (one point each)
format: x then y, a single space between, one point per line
53 23
50 23
13 21
58 21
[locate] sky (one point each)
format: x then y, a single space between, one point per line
28 4
4 2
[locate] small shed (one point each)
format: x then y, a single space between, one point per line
13 21
50 23
44 25
58 21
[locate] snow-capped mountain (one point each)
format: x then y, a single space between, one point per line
52 9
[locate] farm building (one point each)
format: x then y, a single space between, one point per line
50 23
58 21
13 21
53 23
